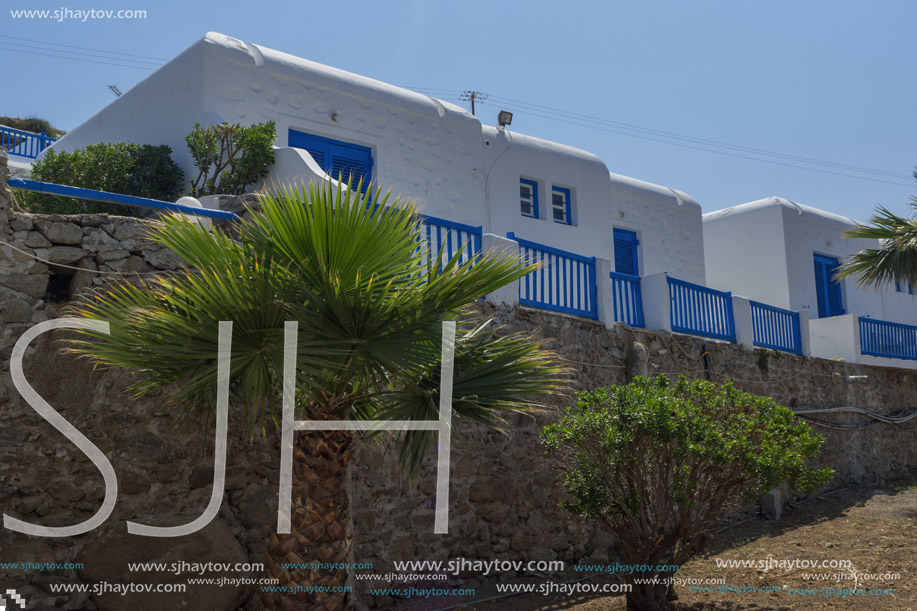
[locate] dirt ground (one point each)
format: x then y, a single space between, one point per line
875 528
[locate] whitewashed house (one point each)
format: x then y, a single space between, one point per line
785 254
432 152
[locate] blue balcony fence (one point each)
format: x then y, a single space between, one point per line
564 282
627 299
698 310
445 239
775 328
115 198
24 144
889 339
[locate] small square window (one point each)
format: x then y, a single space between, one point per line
528 197
560 205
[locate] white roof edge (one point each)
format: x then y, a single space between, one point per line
545 145
336 78
769 202
626 185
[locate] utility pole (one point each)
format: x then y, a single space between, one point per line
472 95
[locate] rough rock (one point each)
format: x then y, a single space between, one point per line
108 557
60 233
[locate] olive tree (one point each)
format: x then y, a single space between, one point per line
655 462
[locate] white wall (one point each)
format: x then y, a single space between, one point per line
765 250
745 253
423 149
160 109
509 156
431 152
668 224
810 231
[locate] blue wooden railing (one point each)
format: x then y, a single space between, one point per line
698 310
564 282
115 198
24 144
775 328
889 339
445 239
626 299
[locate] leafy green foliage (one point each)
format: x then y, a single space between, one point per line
123 167
896 257
369 307
230 157
655 462
31 124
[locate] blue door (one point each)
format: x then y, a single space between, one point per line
626 252
340 160
827 289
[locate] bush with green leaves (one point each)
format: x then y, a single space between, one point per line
31 124
229 158
655 462
121 167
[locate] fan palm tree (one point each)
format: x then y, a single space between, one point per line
350 269
895 260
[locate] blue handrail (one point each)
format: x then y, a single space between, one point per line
116 198
775 328
627 299
699 310
22 143
889 339
564 282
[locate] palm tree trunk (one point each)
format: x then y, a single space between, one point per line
320 533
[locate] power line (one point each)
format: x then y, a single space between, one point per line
545 112
57 44
76 59
707 150
690 142
136 61
668 134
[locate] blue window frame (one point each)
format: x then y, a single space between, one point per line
625 245
528 197
827 290
340 160
560 205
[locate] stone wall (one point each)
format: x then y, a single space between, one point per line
504 490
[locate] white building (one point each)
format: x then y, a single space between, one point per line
783 253
429 151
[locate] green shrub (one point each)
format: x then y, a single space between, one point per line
30 124
230 157
123 167
655 462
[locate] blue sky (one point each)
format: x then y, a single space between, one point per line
647 86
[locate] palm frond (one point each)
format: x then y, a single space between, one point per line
351 269
895 260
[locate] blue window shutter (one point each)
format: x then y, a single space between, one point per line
820 288
528 197
350 162
336 158
827 290
314 145
625 245
561 205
